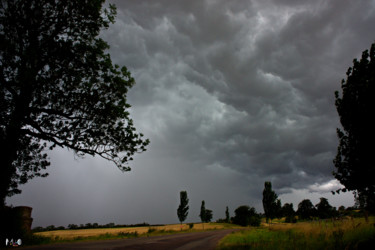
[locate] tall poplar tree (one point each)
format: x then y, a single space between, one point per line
227 216
202 213
271 205
183 208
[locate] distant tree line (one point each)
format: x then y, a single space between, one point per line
89 226
247 216
305 211
244 215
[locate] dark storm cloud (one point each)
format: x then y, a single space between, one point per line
248 86
251 85
231 94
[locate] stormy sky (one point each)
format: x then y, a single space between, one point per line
231 94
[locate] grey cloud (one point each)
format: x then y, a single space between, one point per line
266 70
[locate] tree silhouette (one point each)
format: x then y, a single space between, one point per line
202 213
208 215
305 210
205 214
271 205
183 208
288 212
59 87
323 209
244 216
355 168
227 216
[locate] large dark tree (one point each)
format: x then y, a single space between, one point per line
271 205
323 209
59 87
306 210
288 212
355 167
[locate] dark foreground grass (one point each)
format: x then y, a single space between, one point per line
307 235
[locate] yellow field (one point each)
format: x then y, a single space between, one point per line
71 234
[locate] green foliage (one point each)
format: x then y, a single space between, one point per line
51 228
151 230
72 226
306 210
290 219
183 208
202 213
227 216
323 209
128 234
271 205
205 214
288 212
59 86
356 105
36 240
245 216
208 215
365 201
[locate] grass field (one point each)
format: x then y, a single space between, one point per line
100 233
344 234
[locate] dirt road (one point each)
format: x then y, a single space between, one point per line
185 241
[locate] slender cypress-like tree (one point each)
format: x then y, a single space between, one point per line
202 214
183 208
227 216
271 205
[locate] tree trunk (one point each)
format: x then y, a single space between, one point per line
10 143
8 154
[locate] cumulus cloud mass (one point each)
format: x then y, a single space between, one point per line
231 94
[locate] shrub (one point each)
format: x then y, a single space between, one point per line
245 216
